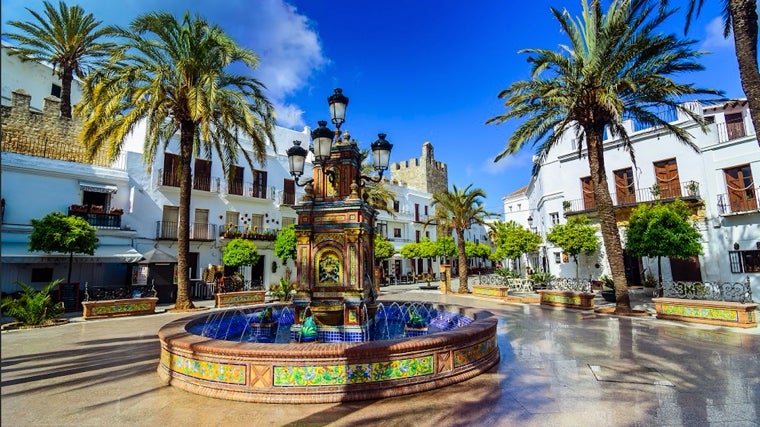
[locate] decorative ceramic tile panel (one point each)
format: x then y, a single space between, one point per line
704 313
332 375
121 308
475 352
228 373
562 299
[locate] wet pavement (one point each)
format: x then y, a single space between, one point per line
558 367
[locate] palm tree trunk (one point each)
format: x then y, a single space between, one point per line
744 15
183 234
605 210
463 287
66 78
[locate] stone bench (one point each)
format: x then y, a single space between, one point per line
565 298
490 285
714 303
118 307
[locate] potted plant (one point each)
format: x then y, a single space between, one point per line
692 188
566 205
608 293
649 284
655 190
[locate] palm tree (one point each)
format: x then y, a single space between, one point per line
67 38
458 210
377 194
172 75
618 65
741 17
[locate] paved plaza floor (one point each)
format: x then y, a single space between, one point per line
558 367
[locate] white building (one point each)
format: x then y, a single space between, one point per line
715 181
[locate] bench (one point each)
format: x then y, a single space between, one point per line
118 307
568 293
714 303
491 286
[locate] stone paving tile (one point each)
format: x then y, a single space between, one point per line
103 372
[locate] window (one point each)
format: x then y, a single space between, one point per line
256 225
710 119
624 187
235 184
734 126
289 192
42 275
170 173
427 234
744 261
740 188
200 227
417 212
395 206
231 220
55 90
666 178
557 258
287 221
169 220
554 217
260 184
426 210
397 233
417 236
589 202
202 175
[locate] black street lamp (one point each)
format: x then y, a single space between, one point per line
296 159
338 103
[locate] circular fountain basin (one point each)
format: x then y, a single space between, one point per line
326 372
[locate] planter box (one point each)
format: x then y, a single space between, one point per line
499 292
570 299
119 307
229 299
705 311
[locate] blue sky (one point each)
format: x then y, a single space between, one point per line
422 70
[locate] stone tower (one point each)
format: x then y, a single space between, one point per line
424 174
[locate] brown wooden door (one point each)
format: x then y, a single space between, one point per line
740 188
734 126
624 187
236 184
666 173
171 170
588 193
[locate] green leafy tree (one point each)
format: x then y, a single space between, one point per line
662 230
173 76
618 65
33 307
427 248
446 247
68 38
383 248
285 245
239 252
513 240
457 210
410 251
58 232
575 237
739 16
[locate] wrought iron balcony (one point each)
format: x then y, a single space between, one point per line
688 190
96 219
169 230
738 202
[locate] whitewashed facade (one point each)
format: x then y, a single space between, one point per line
716 181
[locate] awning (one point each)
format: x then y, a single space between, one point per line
157 256
14 252
97 187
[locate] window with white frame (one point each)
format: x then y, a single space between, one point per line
554 217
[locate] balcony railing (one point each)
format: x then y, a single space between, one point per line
730 131
687 190
97 220
747 201
169 230
30 144
247 189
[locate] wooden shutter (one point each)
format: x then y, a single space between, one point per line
666 173
171 170
202 175
624 187
740 188
587 188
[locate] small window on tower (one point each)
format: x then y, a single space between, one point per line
55 90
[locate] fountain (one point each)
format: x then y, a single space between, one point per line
330 354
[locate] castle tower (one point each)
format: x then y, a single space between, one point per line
424 173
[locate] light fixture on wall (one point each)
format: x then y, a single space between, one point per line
530 221
736 246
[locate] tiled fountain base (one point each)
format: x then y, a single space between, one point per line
326 372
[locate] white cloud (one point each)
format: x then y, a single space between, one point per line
714 39
521 160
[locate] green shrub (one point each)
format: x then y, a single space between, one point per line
541 278
283 290
607 281
33 308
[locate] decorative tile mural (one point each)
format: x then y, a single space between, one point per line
704 313
121 308
562 299
331 375
228 373
475 352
